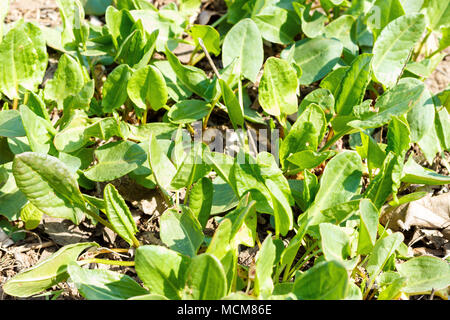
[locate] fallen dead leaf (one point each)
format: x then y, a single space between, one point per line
64 232
428 213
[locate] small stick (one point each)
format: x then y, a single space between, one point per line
211 62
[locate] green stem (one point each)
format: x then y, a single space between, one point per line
99 219
425 39
191 59
107 224
303 260
218 21
333 141
144 117
110 262
431 55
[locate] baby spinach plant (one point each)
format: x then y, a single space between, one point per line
146 117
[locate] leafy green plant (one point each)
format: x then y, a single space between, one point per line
322 239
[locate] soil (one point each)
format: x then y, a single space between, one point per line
146 206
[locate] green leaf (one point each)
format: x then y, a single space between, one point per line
393 47
308 159
23 59
421 116
149 296
393 291
372 151
384 248
416 174
191 77
103 284
49 185
82 100
290 252
442 124
244 42
322 97
265 259
31 215
368 226
342 212
119 23
243 218
161 270
200 200
46 273
68 80
333 80
424 274
312 25
353 86
12 200
304 191
394 102
341 29
383 12
163 170
245 177
119 214
386 182
220 242
398 136
188 111
335 243
284 219
316 57
115 160
75 29
340 181
278 88
234 108
437 13
175 88
11 124
306 133
205 279
209 35
138 48
147 88
192 169
115 88
277 24
181 231
3 176
39 131
327 280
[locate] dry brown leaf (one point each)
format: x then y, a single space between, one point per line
428 212
64 232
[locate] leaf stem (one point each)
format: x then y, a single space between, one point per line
191 59
99 219
110 262
144 117
218 21
303 260
425 39
15 103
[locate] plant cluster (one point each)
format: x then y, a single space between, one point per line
365 61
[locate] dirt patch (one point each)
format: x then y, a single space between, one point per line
42 12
